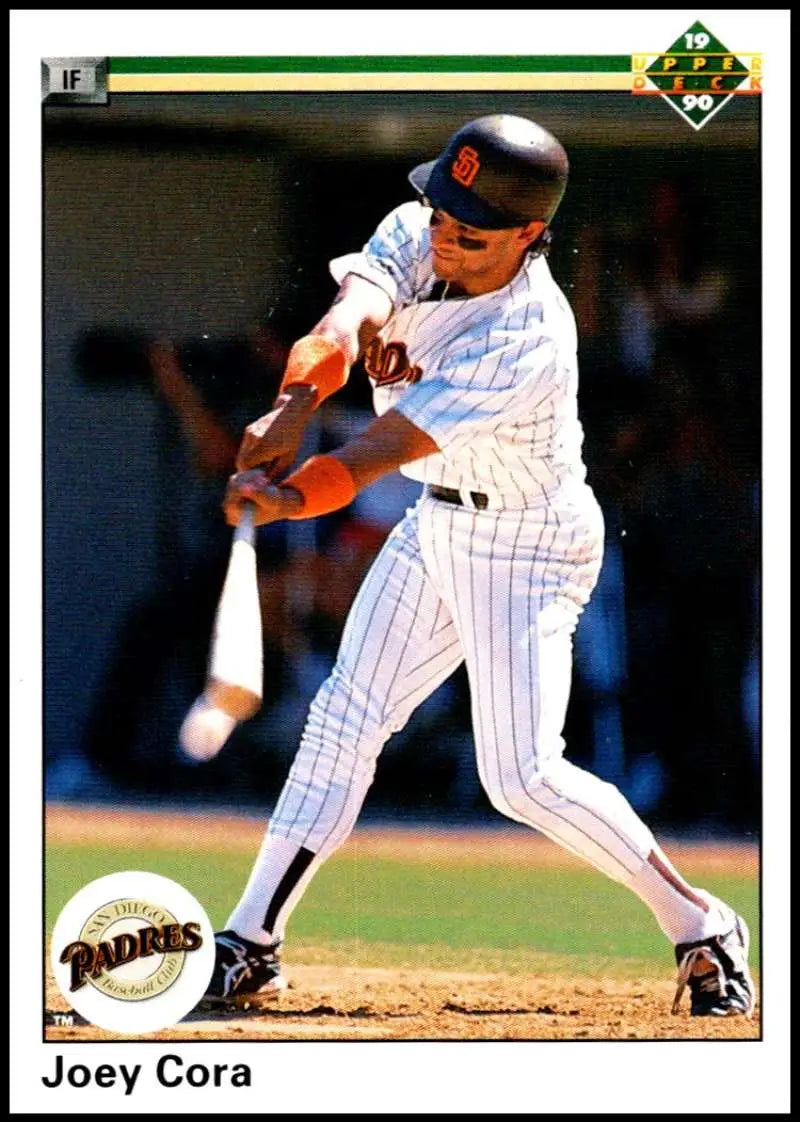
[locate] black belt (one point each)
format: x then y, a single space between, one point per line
450 495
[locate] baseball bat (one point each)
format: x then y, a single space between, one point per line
234 678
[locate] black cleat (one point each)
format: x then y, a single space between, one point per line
244 972
717 974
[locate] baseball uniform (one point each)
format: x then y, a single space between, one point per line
492 566
497 578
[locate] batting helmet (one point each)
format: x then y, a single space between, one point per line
497 172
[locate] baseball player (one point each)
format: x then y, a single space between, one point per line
471 347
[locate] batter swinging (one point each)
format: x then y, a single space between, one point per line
472 349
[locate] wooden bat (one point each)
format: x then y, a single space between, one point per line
235 665
234 679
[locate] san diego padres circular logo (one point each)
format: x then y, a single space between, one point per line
133 952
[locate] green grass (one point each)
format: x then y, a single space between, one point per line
387 912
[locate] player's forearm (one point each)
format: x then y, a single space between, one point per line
322 359
317 366
352 337
327 483
341 333
385 445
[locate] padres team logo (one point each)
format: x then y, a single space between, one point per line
387 363
133 952
465 166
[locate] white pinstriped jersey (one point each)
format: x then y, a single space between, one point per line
499 586
492 379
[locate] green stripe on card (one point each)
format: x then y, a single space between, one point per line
389 64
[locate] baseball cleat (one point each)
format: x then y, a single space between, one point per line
717 974
244 972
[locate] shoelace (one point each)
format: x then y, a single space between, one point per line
712 980
245 962
238 970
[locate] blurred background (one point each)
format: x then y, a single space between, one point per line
186 246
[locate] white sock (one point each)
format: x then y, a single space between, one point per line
247 918
681 920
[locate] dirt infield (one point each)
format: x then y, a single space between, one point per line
369 1004
326 1002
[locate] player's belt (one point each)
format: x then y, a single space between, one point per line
450 495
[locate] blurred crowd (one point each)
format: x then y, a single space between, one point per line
668 651
665 700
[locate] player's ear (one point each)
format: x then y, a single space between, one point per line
528 234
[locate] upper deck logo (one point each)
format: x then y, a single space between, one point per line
697 75
133 952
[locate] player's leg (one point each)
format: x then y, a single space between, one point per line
527 778
398 644
516 592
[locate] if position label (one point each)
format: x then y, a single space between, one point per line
75 81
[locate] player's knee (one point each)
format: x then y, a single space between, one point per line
345 715
526 794
543 791
508 795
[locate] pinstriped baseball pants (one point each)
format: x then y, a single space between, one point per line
502 591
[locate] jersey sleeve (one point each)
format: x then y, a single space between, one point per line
507 383
391 257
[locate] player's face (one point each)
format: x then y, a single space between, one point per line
478 260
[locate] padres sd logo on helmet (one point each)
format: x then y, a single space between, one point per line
465 166
497 172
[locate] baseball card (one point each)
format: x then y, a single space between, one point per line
396 616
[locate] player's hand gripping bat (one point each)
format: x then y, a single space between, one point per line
235 665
